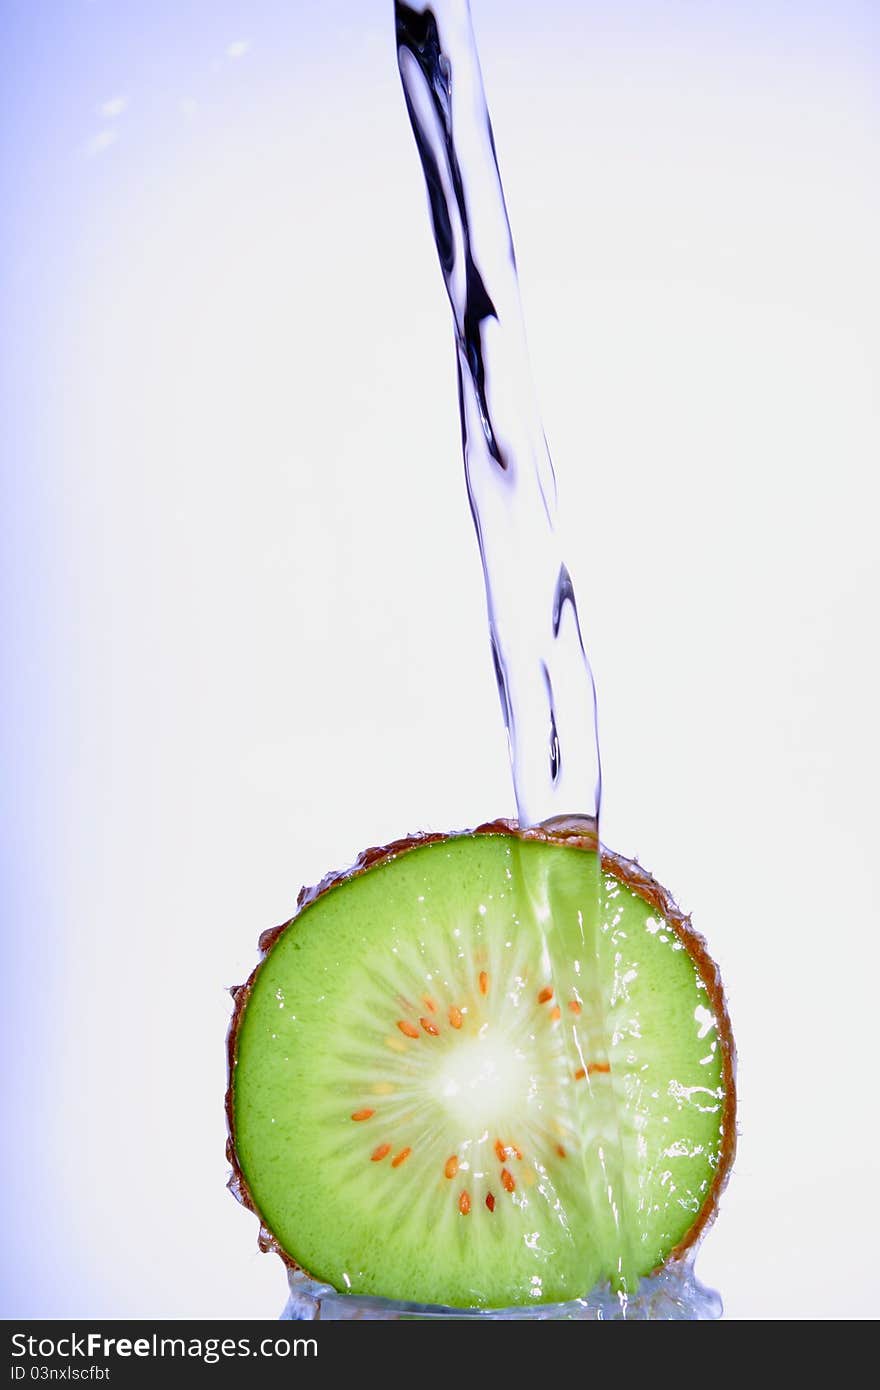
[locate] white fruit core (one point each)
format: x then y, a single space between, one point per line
481 1080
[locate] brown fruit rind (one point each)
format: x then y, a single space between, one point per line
629 872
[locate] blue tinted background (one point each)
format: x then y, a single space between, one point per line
242 623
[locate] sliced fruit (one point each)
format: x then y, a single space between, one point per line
473 1072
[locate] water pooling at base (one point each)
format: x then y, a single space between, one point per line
672 1295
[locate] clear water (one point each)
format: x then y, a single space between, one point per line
544 678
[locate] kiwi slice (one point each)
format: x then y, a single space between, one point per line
482 1070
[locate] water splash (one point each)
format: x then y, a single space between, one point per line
545 683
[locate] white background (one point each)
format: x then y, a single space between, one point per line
244 632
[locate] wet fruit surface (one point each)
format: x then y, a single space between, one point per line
478 1074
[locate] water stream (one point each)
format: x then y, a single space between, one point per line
544 679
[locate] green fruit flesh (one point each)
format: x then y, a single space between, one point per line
459 1080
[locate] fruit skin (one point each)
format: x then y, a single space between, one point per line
630 873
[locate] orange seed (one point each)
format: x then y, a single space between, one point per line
507 1181
364 1114
382 1152
484 982
455 1016
464 1203
408 1029
430 1027
545 994
490 1201
574 1005
556 1013
400 1158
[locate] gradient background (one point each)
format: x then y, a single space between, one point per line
242 612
